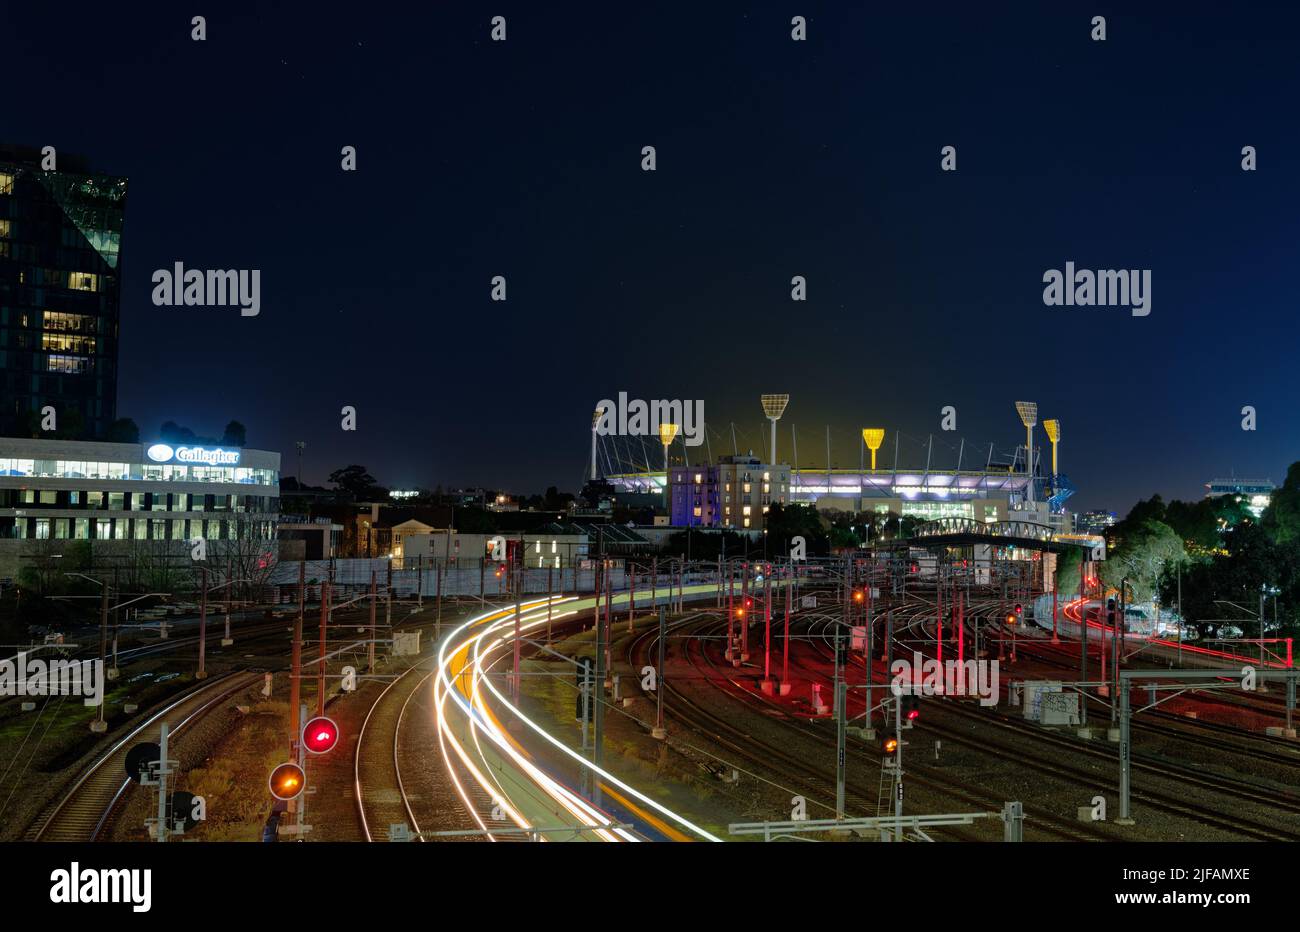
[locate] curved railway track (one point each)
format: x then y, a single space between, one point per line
86 811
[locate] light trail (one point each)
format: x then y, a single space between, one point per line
461 704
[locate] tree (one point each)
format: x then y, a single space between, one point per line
356 481
1142 557
1282 519
785 522
234 435
123 430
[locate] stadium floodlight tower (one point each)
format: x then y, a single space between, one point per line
774 407
1053 428
595 422
667 434
1028 411
873 437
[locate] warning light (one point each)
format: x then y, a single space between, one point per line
1011 619
287 781
320 735
890 744
740 612
857 595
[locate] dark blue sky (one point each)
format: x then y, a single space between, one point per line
775 158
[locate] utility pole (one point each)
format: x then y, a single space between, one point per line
841 722
203 624
598 696
320 670
295 666
373 595
784 688
659 731
514 676
99 725
898 769
1083 652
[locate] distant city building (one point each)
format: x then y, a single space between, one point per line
60 244
124 495
1094 522
736 492
1255 494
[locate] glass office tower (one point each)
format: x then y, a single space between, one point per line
60 244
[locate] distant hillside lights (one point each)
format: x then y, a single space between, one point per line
638 418
179 286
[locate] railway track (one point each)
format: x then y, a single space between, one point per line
86 811
1156 798
794 770
379 792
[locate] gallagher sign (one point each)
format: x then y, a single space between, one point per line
204 456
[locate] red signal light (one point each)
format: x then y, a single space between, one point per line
320 735
287 781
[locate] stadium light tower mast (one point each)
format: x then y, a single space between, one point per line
1028 412
774 407
1053 428
595 420
667 434
873 437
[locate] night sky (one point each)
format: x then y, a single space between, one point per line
775 158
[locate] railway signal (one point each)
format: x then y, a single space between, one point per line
320 735
140 757
889 744
287 781
185 810
911 708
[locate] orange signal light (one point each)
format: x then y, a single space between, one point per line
287 781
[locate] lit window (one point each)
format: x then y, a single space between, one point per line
745 510
6 183
746 522
70 364
746 488
4 229
83 281
767 477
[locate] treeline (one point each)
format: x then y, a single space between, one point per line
1219 550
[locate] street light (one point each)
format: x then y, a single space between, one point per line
667 433
1028 412
1053 428
595 420
873 437
774 407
